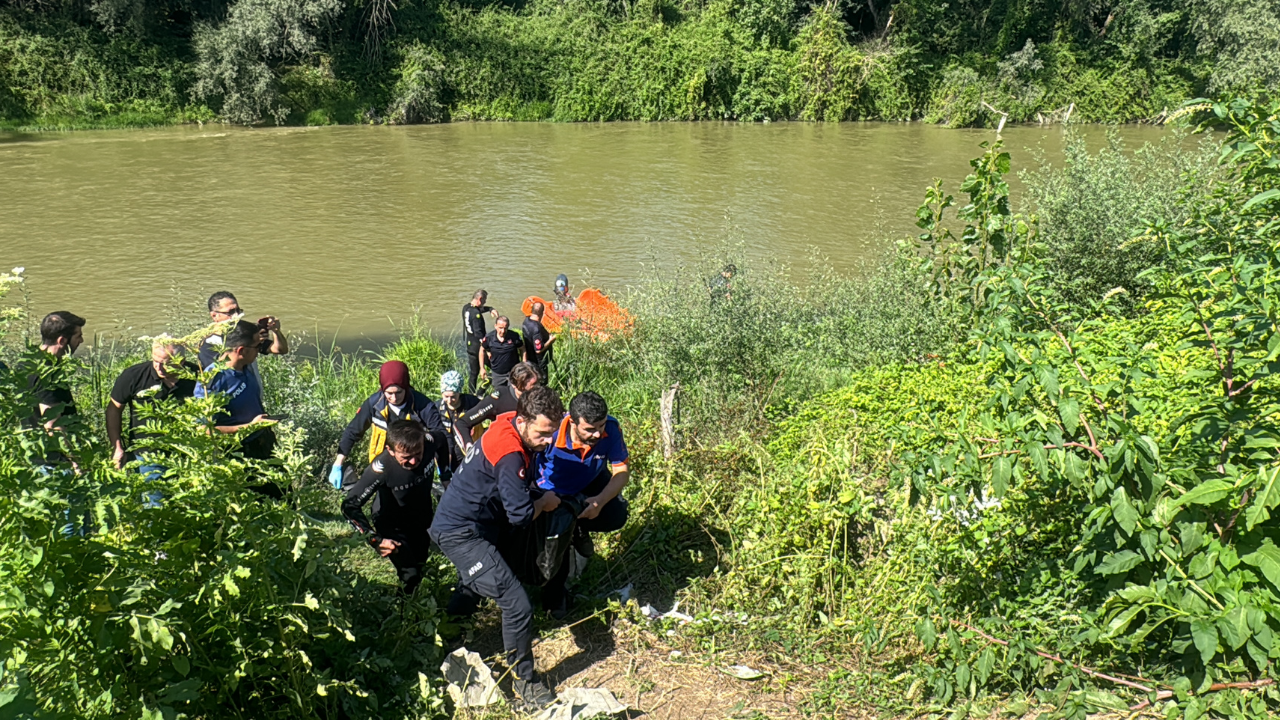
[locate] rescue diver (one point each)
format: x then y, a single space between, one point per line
502 400
564 302
395 400
400 479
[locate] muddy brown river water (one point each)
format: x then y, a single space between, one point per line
346 231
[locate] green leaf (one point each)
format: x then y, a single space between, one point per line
1206 493
1069 412
1234 627
1117 563
1205 637
1266 559
182 665
1125 514
1121 622
1261 197
1000 472
927 633
1267 498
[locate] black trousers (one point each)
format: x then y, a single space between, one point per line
483 573
259 445
613 517
473 371
411 557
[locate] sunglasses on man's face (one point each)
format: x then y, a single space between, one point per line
232 311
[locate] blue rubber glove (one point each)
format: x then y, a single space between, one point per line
335 477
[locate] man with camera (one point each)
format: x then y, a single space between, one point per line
223 307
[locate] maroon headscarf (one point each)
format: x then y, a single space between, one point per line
394 372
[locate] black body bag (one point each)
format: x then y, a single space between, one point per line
536 553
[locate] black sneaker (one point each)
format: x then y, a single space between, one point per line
582 543
534 694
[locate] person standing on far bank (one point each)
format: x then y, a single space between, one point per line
223 307
500 352
474 331
537 341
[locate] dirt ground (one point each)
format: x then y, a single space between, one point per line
653 675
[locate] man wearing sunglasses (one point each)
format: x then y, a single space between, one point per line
224 307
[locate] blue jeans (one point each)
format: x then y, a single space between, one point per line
150 471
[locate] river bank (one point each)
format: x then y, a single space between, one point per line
330 61
980 479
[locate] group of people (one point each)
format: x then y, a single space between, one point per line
470 475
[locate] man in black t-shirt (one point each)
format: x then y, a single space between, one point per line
61 333
473 330
500 352
143 384
537 341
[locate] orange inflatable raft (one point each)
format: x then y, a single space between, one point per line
596 316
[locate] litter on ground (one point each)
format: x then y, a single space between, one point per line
581 704
470 680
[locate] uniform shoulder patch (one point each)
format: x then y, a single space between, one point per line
495 394
377 466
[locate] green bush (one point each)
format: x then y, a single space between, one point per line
1093 209
216 602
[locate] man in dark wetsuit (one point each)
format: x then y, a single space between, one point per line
489 496
474 331
501 400
537 341
401 482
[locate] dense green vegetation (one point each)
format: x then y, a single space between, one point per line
83 63
967 481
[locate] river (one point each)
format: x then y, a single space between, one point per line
346 231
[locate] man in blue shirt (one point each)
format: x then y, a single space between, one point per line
244 408
587 457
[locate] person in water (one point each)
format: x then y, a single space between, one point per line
564 302
395 400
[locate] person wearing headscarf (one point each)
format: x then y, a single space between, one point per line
395 400
454 404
